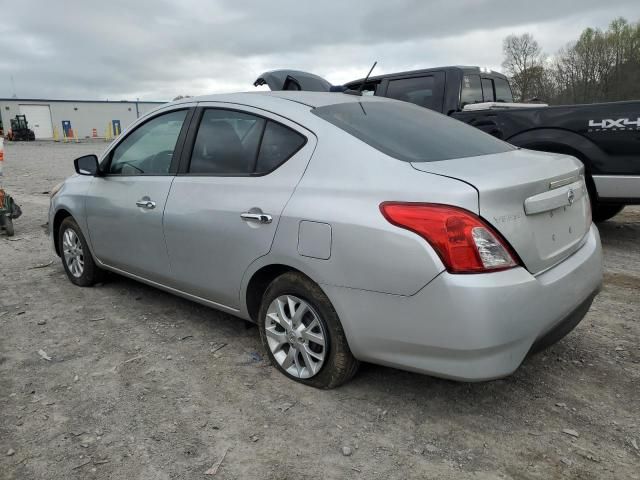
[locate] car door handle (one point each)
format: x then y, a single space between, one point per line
148 204
256 217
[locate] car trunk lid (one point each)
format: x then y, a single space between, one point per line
537 201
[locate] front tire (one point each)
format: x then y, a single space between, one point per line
302 334
75 254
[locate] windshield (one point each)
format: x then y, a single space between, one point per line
410 133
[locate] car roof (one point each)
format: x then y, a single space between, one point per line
309 99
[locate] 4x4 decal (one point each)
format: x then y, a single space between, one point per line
614 125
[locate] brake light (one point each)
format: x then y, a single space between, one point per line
464 242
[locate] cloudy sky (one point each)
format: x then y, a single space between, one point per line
157 49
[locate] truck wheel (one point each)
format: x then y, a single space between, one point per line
6 224
603 212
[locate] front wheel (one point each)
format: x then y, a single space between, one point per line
602 212
76 257
302 333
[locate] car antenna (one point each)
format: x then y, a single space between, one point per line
366 78
359 91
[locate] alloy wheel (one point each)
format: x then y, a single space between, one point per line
296 336
73 253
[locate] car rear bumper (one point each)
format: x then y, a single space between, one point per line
471 327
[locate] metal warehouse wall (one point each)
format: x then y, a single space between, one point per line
83 115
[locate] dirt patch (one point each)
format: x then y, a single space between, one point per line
144 385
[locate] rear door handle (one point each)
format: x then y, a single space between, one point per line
256 217
148 204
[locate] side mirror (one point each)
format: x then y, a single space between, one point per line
87 165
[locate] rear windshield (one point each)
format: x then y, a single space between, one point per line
503 91
410 133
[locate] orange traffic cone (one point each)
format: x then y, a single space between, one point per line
1 154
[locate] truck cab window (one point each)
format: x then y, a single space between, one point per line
418 90
487 90
471 90
503 90
369 89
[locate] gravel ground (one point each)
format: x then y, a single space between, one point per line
144 385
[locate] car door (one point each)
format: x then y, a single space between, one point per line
240 170
426 90
124 205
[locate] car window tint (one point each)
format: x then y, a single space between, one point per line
149 148
227 143
410 133
417 90
471 90
503 90
487 90
279 143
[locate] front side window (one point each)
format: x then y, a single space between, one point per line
369 89
418 91
237 143
148 150
410 133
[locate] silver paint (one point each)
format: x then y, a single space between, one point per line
397 303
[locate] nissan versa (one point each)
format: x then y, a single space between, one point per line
348 228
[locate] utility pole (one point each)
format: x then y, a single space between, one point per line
13 87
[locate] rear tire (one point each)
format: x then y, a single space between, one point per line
602 212
337 363
75 254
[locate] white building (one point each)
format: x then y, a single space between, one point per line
84 118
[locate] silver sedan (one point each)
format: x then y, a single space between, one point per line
348 228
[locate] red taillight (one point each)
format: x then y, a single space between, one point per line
463 241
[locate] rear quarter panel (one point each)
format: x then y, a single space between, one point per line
344 184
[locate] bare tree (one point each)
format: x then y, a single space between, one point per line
523 63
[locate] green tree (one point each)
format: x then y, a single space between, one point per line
598 66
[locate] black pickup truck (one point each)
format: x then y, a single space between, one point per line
604 136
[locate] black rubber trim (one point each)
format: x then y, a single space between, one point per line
562 328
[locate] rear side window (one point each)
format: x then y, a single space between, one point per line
229 142
471 90
410 133
279 143
487 90
419 91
